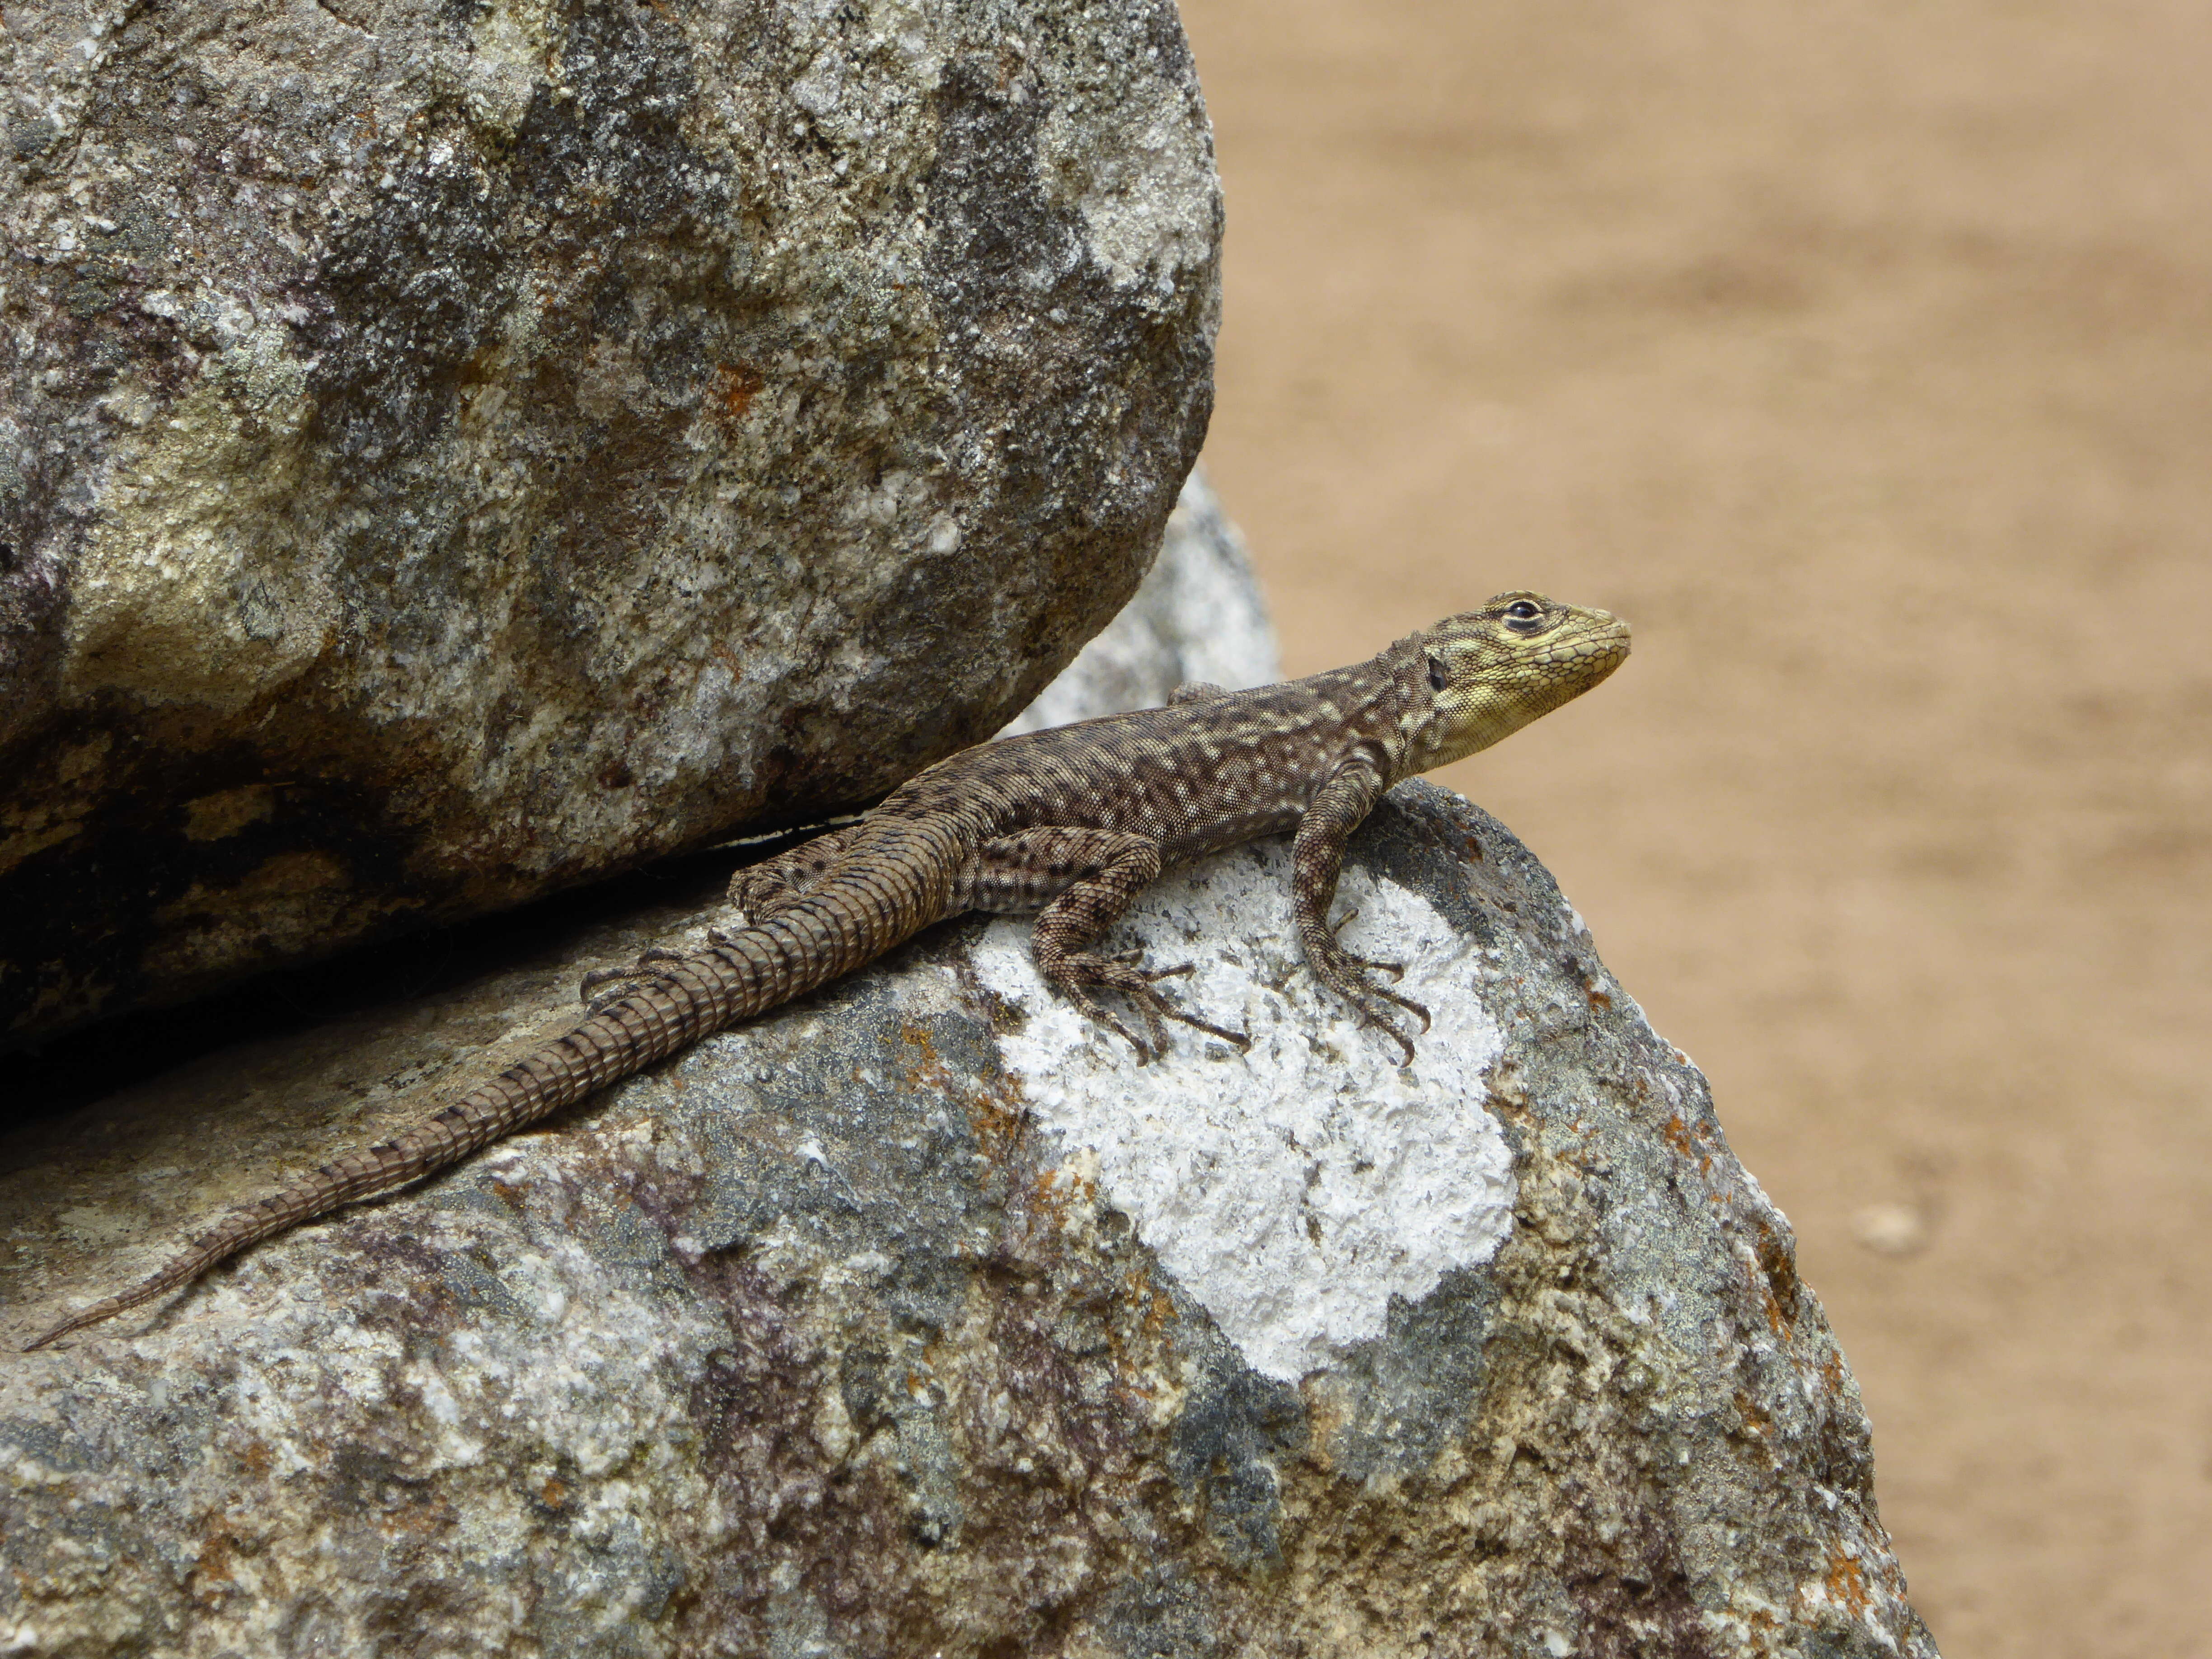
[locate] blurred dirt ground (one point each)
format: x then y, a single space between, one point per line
1862 356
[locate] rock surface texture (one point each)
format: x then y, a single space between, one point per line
447 451
918 1320
1198 615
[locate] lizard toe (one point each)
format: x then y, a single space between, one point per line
1389 1027
624 980
1395 970
1157 1007
1098 1015
598 976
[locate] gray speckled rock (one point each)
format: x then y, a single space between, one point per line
450 450
1198 615
917 1320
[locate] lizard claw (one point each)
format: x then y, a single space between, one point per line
1373 1017
1370 1003
1091 1010
1156 1004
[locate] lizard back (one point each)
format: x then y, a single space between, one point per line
1196 776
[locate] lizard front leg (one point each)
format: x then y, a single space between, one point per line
1085 880
1316 858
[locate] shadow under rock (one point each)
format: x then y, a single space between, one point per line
51 1079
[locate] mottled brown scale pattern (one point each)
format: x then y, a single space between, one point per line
1073 822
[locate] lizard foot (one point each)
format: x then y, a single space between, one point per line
1395 970
1120 973
625 980
1342 973
1348 976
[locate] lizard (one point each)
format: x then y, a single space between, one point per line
1072 823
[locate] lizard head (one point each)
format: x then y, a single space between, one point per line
1484 674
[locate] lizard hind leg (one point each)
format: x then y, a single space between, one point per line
757 892
1086 880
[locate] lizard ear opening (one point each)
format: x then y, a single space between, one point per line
1437 679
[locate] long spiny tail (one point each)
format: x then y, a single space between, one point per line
854 915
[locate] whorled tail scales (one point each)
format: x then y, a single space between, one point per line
1074 823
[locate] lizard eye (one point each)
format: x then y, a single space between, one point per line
1522 615
1437 679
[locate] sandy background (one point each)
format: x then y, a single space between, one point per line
1862 356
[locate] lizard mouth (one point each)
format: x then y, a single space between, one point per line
1596 638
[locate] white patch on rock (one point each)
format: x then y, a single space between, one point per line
1296 1189
1147 197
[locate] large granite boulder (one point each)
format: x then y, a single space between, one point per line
917 1319
448 451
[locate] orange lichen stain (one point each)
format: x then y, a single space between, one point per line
1755 1418
1679 1138
1832 1371
737 385
554 1494
211 1578
924 1064
1775 1321
1775 1271
1847 1584
1058 1195
1159 1307
997 1119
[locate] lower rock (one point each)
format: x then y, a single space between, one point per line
918 1319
